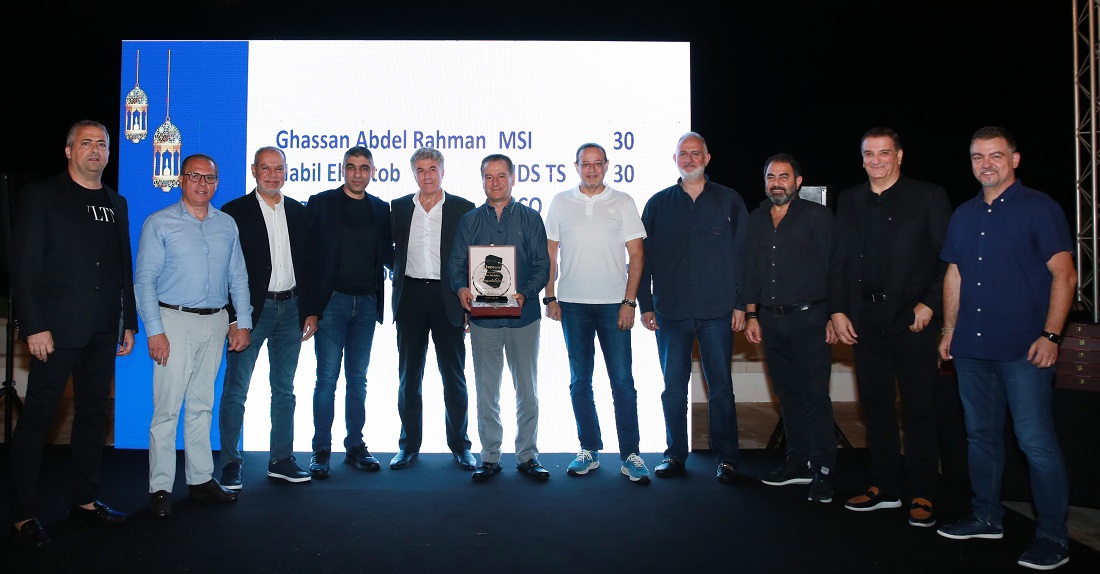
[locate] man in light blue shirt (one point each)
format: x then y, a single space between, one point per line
189 260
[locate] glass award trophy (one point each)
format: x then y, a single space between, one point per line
493 281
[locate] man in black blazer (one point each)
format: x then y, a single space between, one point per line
352 243
424 225
886 284
278 253
73 292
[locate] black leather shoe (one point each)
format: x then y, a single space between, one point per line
211 490
533 469
160 504
465 460
100 514
318 464
403 459
669 467
486 471
727 473
360 457
30 536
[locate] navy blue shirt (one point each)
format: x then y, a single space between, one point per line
1001 251
694 252
520 226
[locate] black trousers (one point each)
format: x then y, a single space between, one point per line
889 364
422 314
799 364
92 368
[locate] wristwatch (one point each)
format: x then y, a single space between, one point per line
1054 337
548 300
629 303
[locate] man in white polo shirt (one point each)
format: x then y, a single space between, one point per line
588 226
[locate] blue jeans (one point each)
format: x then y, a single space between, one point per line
674 344
346 331
987 388
279 326
580 323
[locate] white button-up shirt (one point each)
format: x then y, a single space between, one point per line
278 242
425 233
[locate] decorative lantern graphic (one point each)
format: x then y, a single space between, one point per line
137 109
166 145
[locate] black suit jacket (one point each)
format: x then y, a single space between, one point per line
54 271
324 214
246 211
401 213
918 216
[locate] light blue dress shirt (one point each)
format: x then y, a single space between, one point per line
184 261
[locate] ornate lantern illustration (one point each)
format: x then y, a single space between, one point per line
166 145
137 109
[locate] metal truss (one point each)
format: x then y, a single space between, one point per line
1086 58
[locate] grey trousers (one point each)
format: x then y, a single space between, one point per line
195 354
489 347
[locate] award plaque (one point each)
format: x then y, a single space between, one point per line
493 281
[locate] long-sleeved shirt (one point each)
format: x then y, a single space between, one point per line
788 264
184 261
694 252
520 226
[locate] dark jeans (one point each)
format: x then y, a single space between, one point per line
888 364
674 344
990 390
279 326
423 314
92 368
581 323
346 332
799 364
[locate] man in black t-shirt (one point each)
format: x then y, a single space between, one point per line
352 240
72 288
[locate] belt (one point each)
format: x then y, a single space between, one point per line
875 297
789 309
282 295
190 309
421 280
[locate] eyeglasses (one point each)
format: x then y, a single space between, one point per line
194 177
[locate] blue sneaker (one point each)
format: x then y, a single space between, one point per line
634 468
971 527
586 460
1044 554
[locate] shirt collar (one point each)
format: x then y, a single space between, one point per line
263 203
593 198
182 212
1009 193
442 198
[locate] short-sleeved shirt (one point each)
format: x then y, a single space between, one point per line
592 233
1001 250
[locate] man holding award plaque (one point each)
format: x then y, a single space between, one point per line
589 226
498 265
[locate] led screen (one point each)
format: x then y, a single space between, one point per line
534 101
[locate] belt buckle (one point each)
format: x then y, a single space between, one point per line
878 297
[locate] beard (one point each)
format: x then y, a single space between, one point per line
696 173
780 199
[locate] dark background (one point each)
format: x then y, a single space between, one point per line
805 77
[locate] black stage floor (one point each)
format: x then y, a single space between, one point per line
432 517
